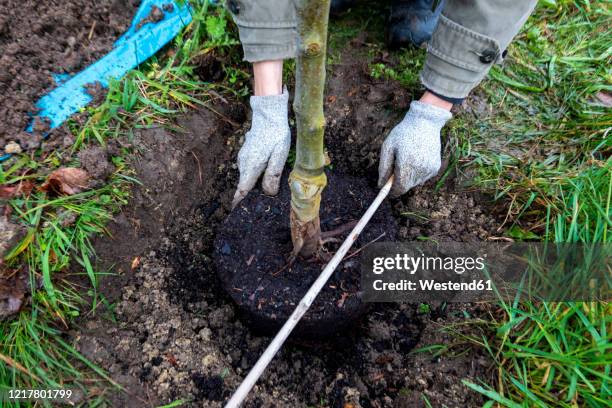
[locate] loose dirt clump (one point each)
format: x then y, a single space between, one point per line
42 39
154 16
96 160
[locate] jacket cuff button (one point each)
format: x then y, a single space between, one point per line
487 56
234 6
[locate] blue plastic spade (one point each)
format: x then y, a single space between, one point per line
141 41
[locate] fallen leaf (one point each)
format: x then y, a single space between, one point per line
67 180
8 191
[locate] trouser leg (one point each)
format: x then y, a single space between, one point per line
266 28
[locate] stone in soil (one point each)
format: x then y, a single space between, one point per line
251 258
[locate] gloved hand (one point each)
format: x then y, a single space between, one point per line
266 145
411 152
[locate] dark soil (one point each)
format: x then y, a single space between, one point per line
41 38
177 335
256 274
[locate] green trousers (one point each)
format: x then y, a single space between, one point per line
471 36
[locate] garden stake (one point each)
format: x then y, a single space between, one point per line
306 302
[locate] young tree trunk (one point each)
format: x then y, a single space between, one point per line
307 180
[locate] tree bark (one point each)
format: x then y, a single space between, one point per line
307 180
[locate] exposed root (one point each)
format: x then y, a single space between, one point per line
320 254
357 251
328 240
339 230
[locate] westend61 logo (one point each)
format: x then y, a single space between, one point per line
486 271
431 270
412 264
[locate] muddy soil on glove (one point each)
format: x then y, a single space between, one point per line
178 335
39 39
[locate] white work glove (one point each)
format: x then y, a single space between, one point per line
411 152
266 145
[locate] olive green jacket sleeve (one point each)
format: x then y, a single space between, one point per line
470 37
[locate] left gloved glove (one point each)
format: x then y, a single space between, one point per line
411 152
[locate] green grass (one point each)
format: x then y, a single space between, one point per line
32 347
546 154
57 247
